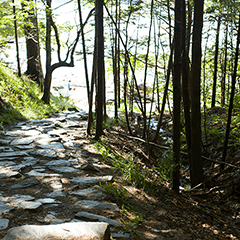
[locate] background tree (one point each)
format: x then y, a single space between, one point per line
99 66
196 139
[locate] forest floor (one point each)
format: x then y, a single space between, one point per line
141 185
211 211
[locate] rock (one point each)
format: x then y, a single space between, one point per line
47 200
62 169
5 149
89 167
13 154
7 163
53 145
91 180
56 193
57 132
71 145
4 141
95 217
78 230
24 147
91 204
121 235
29 205
22 141
7 173
26 183
44 152
58 163
5 208
94 193
36 173
22 197
4 223
30 161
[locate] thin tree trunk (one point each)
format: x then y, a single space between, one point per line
223 81
196 139
185 82
164 96
216 64
84 48
145 133
231 98
100 65
177 94
16 39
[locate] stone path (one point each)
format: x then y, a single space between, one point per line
49 176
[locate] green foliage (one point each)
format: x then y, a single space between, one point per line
128 167
119 193
22 99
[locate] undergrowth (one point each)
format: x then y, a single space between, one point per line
21 99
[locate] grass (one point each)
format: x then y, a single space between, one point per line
22 99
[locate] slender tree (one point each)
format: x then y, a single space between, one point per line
216 63
177 93
100 65
16 39
234 76
196 139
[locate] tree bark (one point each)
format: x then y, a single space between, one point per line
234 76
177 94
16 39
216 64
196 139
100 65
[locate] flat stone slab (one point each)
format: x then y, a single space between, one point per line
22 141
91 180
53 145
94 193
91 204
89 167
35 173
58 163
30 161
77 230
44 152
4 223
13 154
47 200
7 163
26 183
57 132
7 172
45 138
56 193
5 149
5 208
24 147
63 169
95 217
29 205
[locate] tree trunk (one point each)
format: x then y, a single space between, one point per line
216 64
34 66
16 39
48 77
185 82
84 48
223 80
177 94
100 65
196 139
234 76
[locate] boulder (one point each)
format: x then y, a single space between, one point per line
76 230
